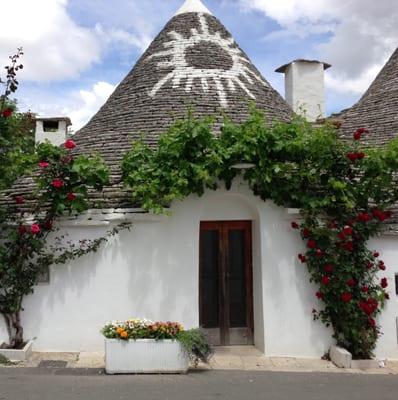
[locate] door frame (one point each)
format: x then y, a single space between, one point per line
223 227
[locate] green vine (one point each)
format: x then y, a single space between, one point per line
343 191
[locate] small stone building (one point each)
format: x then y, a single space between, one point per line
168 268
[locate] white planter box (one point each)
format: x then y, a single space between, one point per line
145 356
18 355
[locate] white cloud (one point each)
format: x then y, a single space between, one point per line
90 102
361 34
79 106
140 40
55 46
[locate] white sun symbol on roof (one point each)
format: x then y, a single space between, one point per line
231 77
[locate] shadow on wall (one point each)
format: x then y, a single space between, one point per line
148 272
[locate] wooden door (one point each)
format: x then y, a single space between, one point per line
226 282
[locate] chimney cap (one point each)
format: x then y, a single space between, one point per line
66 119
284 67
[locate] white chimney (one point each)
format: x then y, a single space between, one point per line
305 87
53 129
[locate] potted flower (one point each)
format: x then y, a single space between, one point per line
143 346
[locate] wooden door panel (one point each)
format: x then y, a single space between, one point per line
209 278
225 288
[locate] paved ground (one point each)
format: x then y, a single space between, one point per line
72 384
245 358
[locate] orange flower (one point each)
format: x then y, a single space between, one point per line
119 330
124 334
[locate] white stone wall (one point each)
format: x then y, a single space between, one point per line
305 89
152 272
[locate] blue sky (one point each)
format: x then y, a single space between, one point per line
77 51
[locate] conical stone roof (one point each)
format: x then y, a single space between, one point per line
377 110
194 63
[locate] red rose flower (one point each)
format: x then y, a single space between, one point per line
71 196
360 155
328 268
384 283
382 266
376 254
35 229
349 246
43 164
359 132
311 244
346 297
365 307
325 280
319 253
352 156
371 322
357 135
57 183
302 258
22 230
295 225
319 295
388 214
70 144
348 230
332 225
364 289
369 265
19 200
379 215
48 225
351 282
364 217
341 235
7 113
373 304
306 233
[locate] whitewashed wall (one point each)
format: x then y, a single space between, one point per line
152 272
388 343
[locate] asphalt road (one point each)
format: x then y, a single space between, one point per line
62 384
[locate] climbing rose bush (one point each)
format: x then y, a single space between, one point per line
343 189
348 277
62 182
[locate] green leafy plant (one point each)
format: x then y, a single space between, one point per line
196 345
5 361
343 189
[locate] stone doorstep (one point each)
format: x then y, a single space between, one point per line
18 355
